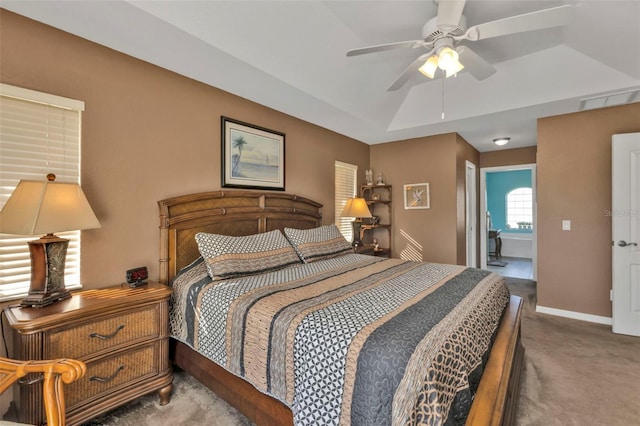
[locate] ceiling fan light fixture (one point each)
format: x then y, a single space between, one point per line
455 69
501 141
448 61
430 67
447 58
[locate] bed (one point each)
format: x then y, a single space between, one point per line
288 349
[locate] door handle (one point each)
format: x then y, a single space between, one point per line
623 243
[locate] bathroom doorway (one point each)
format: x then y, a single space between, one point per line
508 220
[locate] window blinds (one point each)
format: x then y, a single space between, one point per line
346 177
39 134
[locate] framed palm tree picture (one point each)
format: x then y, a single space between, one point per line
252 156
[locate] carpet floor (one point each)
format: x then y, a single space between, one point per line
575 373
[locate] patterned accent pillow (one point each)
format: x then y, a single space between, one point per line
319 243
234 257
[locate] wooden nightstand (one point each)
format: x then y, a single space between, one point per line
369 250
120 332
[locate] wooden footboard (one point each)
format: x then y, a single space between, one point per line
494 403
256 406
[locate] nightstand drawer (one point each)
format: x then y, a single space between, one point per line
121 333
108 333
105 376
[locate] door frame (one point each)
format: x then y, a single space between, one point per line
471 213
483 212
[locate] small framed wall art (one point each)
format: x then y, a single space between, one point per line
416 196
252 156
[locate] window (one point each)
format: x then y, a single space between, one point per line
346 177
520 208
39 134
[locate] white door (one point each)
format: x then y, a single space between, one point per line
472 214
625 218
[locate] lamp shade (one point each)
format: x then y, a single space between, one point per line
46 207
356 207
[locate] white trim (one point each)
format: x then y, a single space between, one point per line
40 97
483 211
346 165
471 214
574 315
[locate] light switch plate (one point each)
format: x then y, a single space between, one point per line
566 225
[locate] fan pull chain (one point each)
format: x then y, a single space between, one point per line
443 79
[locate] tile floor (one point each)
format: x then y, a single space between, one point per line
516 267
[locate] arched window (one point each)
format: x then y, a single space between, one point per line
520 208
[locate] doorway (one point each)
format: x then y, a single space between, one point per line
508 220
471 203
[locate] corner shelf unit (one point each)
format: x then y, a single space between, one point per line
378 197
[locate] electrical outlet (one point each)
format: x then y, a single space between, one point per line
566 225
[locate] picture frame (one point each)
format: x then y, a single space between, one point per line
416 196
252 156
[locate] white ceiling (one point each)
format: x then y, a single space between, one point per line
291 56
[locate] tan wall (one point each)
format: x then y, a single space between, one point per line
150 134
431 233
508 157
574 183
464 153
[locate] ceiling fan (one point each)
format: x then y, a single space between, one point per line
441 35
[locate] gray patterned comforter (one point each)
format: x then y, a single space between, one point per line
351 340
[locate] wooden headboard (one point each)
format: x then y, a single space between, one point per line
229 213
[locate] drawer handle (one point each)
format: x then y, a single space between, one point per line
108 336
26 381
107 379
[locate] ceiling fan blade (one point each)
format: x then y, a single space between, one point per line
388 46
478 67
408 72
449 12
541 19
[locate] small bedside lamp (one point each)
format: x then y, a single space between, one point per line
357 208
45 207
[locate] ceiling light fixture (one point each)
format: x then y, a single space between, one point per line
447 60
501 141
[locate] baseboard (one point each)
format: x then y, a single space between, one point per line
574 315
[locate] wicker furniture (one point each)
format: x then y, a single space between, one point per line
121 334
248 212
54 374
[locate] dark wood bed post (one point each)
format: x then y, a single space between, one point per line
249 212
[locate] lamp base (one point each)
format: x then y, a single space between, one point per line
48 255
40 300
356 225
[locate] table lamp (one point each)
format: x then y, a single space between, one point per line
45 207
357 208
